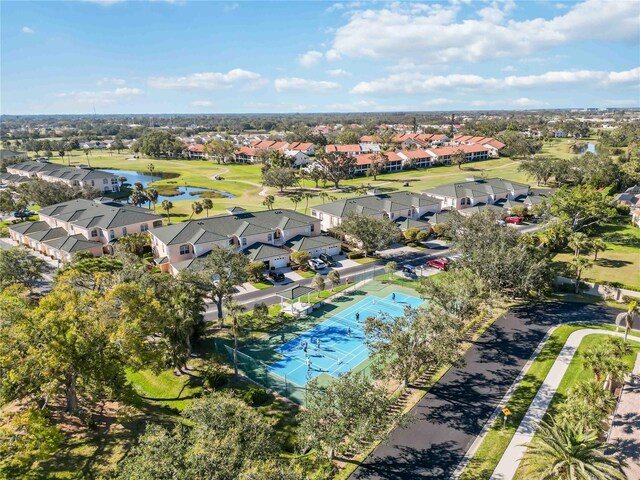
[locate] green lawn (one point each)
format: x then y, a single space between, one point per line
244 181
166 388
495 442
620 263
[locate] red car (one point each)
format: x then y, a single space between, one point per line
439 263
514 220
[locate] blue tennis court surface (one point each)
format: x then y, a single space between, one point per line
341 340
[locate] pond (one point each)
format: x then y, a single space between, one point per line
589 148
183 192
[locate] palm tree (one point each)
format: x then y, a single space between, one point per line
594 360
561 451
207 204
597 245
196 208
151 167
137 198
629 319
579 264
234 310
587 405
268 202
166 206
296 198
334 278
614 369
306 196
152 196
579 242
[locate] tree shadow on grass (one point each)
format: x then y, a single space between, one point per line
610 263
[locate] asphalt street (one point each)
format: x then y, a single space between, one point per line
447 420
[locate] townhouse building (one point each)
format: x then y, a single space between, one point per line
477 191
82 225
396 206
269 236
75 177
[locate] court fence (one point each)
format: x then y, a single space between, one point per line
258 372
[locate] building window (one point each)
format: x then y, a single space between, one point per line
244 242
105 181
270 237
313 228
184 249
144 227
124 230
94 233
112 234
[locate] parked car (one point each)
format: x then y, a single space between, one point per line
317 264
513 220
328 259
23 214
409 271
276 276
439 263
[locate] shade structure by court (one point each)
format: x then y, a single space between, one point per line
291 300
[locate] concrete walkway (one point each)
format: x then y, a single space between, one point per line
512 456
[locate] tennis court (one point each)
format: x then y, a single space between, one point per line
336 345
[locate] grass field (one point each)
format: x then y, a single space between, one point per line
620 263
495 442
244 181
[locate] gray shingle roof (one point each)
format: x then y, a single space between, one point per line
301 242
263 251
29 227
226 226
62 172
72 243
405 223
435 218
376 204
476 187
87 213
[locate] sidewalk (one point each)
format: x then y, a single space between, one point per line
512 456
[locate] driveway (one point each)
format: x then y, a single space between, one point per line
447 420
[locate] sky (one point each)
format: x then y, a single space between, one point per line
180 56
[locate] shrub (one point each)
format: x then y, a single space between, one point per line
441 230
255 396
519 210
354 255
422 236
410 234
301 258
260 310
216 379
623 209
255 271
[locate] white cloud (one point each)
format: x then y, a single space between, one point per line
435 102
338 72
111 81
210 80
527 102
100 97
26 29
414 83
508 68
310 59
434 34
301 84
201 103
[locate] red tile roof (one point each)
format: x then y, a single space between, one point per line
196 148
249 151
415 154
299 146
366 158
343 148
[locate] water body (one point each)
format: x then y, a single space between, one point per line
185 192
589 148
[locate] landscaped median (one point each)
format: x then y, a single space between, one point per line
497 439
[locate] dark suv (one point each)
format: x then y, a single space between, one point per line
328 259
276 276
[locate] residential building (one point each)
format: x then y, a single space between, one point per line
263 236
68 227
472 153
353 150
492 145
416 158
297 152
363 162
195 152
397 206
477 191
73 176
630 197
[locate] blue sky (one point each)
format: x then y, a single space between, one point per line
119 56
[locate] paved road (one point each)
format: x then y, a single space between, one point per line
448 419
355 273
